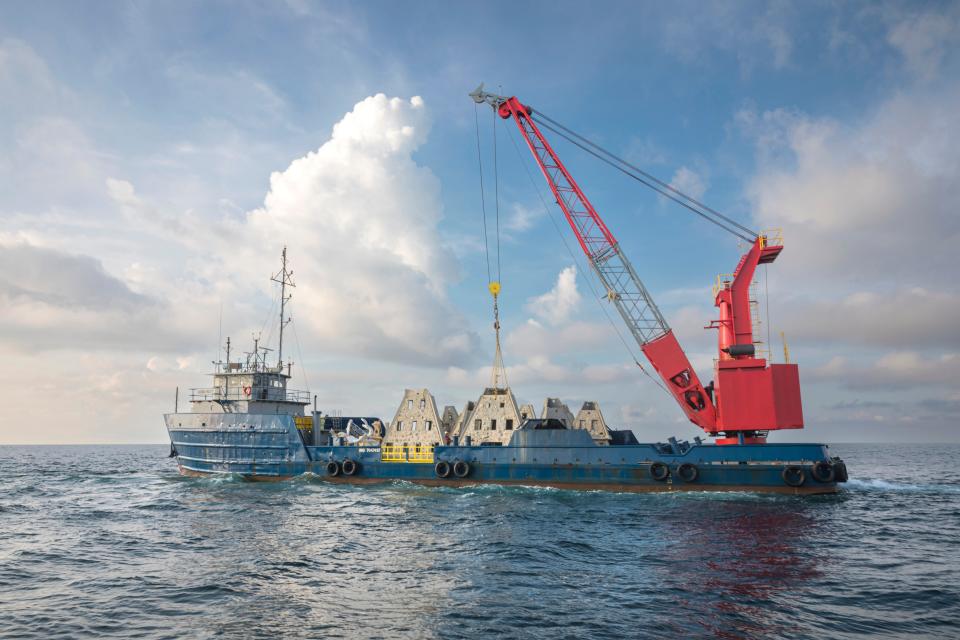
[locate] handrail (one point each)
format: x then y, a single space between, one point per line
268 394
419 454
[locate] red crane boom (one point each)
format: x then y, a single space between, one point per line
749 397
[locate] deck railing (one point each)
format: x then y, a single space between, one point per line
262 394
406 453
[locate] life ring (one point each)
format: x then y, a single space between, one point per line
794 476
823 472
461 469
442 469
688 472
349 467
659 471
246 391
333 469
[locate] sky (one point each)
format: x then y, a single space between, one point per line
155 159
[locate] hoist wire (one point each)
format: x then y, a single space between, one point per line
766 298
483 203
653 183
588 273
496 190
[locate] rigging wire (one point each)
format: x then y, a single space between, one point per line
483 203
496 190
588 273
296 340
652 183
766 297
649 176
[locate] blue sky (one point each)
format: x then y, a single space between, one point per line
153 159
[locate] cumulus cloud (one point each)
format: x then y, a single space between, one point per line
555 306
868 213
360 218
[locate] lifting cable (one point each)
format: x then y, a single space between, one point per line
498 371
483 202
587 273
666 190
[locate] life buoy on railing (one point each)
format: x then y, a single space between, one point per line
246 391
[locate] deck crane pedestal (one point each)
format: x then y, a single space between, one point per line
748 396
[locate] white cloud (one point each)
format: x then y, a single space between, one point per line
688 181
857 201
925 38
522 218
556 306
360 219
894 370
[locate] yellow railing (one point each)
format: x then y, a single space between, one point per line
723 280
406 453
771 237
303 422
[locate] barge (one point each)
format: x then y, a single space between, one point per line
250 424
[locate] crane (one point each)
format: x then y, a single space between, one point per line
749 396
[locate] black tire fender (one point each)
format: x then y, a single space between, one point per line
442 469
659 471
823 472
461 469
688 472
333 469
794 476
349 467
840 470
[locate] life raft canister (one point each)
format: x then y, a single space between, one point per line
442 469
688 472
794 476
349 467
659 471
461 469
823 472
333 469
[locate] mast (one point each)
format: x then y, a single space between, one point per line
285 278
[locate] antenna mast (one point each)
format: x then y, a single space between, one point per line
285 278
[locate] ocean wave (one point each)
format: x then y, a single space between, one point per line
878 484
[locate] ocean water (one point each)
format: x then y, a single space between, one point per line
110 541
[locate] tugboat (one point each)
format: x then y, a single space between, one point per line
250 424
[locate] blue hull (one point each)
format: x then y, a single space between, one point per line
270 447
